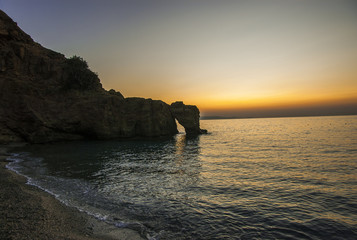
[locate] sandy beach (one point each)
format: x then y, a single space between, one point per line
27 212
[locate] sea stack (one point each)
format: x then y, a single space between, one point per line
46 97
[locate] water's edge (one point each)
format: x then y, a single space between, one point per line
103 224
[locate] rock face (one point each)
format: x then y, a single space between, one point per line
188 116
46 97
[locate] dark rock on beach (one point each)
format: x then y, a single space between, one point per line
46 97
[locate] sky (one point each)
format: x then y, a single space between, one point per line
242 58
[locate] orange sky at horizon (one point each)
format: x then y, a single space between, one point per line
223 98
274 104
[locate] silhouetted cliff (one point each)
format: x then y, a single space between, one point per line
46 97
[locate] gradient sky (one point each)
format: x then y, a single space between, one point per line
233 58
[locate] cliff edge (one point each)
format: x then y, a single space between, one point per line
46 97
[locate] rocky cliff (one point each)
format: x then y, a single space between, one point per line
46 97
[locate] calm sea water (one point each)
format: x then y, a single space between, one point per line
279 178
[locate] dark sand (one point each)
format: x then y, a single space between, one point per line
27 212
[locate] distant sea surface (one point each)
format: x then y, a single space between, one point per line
277 178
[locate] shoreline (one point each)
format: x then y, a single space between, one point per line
27 212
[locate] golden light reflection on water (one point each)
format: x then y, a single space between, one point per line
179 153
180 144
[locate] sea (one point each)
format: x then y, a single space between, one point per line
266 178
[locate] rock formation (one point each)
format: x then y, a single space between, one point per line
46 97
188 116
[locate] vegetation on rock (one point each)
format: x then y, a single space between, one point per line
79 76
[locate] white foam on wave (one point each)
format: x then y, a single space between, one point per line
14 166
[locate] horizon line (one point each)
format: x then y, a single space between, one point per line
289 116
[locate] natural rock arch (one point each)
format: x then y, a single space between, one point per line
188 116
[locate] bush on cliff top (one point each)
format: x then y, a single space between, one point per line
78 75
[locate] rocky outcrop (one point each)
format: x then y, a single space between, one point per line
46 97
188 116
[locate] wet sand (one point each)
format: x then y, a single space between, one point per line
27 212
